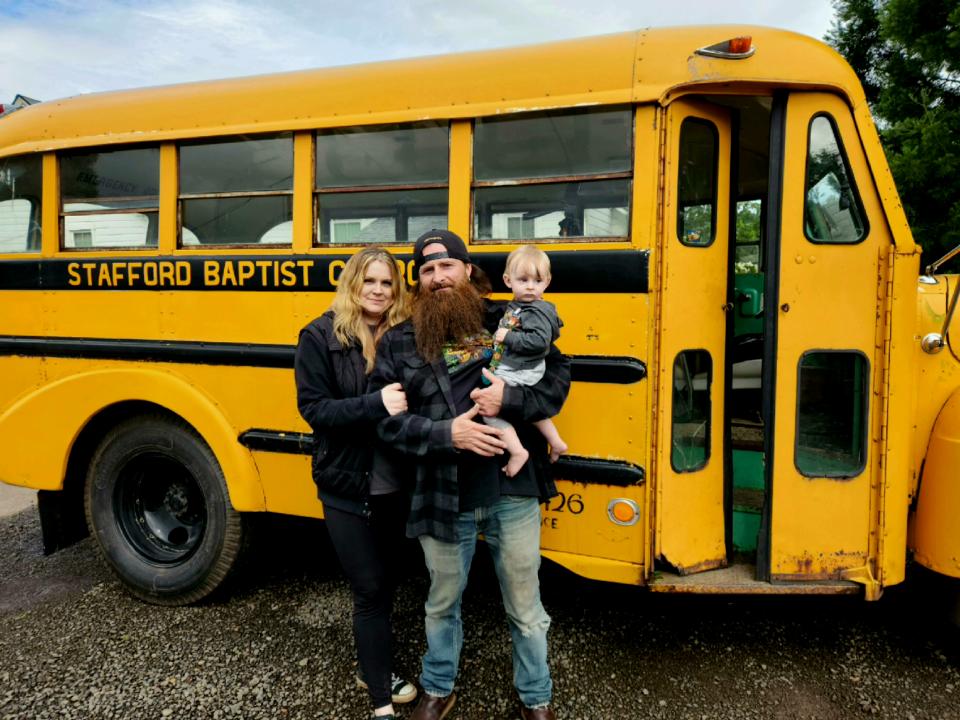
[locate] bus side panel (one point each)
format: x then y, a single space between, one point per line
44 424
936 540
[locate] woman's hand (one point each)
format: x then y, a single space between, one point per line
394 398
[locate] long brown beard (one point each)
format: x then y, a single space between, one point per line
439 318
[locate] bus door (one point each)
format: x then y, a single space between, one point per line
824 321
693 308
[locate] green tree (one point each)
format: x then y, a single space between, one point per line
907 55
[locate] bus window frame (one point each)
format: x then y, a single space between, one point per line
62 214
629 175
316 192
36 214
224 139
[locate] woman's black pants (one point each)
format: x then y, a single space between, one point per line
370 551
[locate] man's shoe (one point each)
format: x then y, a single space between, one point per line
538 713
432 707
400 690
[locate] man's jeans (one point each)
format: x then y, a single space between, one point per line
511 528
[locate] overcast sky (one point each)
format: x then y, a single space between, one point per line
56 48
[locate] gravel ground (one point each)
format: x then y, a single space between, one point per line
278 645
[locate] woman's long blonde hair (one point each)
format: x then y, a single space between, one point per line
348 322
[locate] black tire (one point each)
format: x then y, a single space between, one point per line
156 501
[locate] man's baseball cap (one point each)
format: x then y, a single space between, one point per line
455 247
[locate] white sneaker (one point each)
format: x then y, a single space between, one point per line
401 691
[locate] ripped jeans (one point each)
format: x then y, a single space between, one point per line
511 528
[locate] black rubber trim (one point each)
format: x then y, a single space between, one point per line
290 443
605 369
771 303
573 271
588 471
585 368
196 353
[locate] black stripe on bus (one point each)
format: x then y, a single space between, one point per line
574 468
584 368
574 271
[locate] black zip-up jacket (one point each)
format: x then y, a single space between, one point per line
332 397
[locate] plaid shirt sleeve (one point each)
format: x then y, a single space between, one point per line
543 400
426 427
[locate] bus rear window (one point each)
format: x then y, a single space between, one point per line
110 198
20 185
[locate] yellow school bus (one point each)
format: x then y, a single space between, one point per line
765 391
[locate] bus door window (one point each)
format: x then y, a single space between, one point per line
237 191
832 211
697 199
110 198
692 386
832 394
20 194
381 184
553 175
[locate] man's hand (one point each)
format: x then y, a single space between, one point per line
500 334
468 434
489 399
394 399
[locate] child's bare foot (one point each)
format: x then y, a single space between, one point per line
557 450
517 460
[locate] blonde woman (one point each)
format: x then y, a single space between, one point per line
364 503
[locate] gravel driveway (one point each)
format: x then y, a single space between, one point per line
278 645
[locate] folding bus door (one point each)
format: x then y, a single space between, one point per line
693 301
830 277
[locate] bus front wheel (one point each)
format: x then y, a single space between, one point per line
156 501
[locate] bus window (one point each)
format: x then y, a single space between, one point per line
20 183
692 380
383 184
831 414
109 198
237 191
553 175
832 211
697 183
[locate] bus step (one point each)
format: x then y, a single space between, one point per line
740 579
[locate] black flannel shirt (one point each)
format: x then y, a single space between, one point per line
425 429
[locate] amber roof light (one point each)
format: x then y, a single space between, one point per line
737 48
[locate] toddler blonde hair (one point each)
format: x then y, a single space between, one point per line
530 258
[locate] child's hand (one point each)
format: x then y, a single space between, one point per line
500 334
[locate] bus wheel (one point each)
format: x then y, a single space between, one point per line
157 504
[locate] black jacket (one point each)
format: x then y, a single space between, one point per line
332 397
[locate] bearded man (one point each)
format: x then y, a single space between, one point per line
440 357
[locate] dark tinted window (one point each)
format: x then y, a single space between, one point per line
410 155
21 182
832 414
554 144
697 182
392 216
529 212
832 212
692 381
237 165
114 179
110 198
